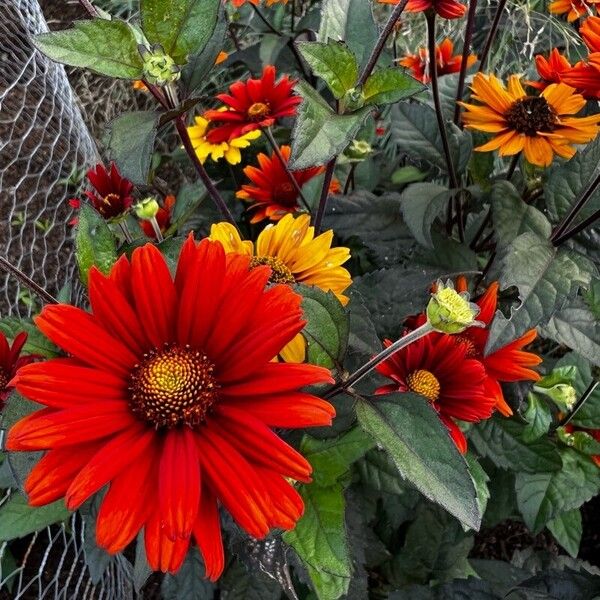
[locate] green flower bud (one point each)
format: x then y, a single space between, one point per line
353 99
563 395
451 312
147 208
159 68
358 150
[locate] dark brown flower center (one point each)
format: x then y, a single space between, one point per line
425 383
173 386
3 380
531 115
258 110
280 273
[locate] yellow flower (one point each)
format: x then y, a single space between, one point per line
295 255
540 126
229 150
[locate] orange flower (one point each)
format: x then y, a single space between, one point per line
169 396
573 8
447 9
163 218
446 62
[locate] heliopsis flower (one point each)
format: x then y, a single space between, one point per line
540 126
112 194
10 362
230 149
253 104
270 189
295 255
438 367
573 8
446 62
163 218
447 9
169 396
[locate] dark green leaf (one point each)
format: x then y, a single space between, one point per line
189 582
409 429
240 584
390 85
181 27
378 472
363 341
538 416
567 530
141 568
408 174
106 47
480 479
97 559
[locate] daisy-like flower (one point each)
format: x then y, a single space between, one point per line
270 189
447 9
163 218
573 8
438 367
446 61
111 195
238 3
253 104
540 126
169 396
229 149
10 362
295 255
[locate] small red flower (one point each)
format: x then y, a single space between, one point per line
446 62
595 433
270 189
253 104
438 367
112 193
447 9
11 362
163 218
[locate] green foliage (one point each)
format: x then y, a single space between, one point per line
188 581
567 529
37 342
390 85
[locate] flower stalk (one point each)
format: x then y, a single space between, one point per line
27 281
465 58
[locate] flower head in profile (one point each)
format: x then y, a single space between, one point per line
447 9
168 395
253 104
270 190
449 311
295 255
539 126
447 62
573 8
439 368
10 362
163 217
228 149
112 194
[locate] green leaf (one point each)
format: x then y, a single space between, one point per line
105 47
363 341
181 27
378 472
538 416
18 519
319 133
408 174
188 582
422 204
501 440
409 429
546 279
131 143
97 559
480 479
333 63
390 85
332 458
326 329
37 342
239 584
95 244
543 496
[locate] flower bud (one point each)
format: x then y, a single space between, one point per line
147 208
563 395
353 99
159 67
358 150
451 312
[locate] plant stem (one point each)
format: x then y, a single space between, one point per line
91 9
350 179
577 229
27 281
383 36
584 398
125 230
204 176
465 56
404 341
286 168
491 35
512 166
324 195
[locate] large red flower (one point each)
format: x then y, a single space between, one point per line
447 9
253 104
169 395
10 362
438 368
270 189
112 193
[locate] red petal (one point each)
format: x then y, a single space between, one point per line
207 532
162 553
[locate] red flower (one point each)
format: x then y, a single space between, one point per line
447 9
11 362
270 189
438 368
111 195
169 395
253 104
163 218
446 62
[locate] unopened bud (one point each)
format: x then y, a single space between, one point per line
358 150
159 68
563 395
147 208
451 312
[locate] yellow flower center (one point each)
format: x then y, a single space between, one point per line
258 110
531 115
425 383
280 273
173 386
